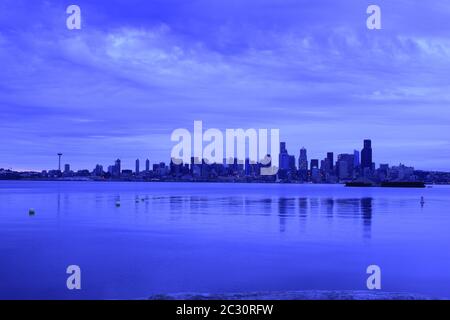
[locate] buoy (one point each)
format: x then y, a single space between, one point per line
31 212
422 201
117 203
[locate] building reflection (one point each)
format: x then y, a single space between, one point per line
366 213
287 209
303 208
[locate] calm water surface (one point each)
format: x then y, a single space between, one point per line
219 238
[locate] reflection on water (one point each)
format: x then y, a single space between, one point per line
366 211
135 239
285 208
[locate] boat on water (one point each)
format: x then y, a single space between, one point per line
387 184
403 184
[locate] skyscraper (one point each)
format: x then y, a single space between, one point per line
303 165
292 167
59 161
314 163
283 158
330 162
303 160
366 155
147 165
117 168
356 158
345 166
137 167
283 147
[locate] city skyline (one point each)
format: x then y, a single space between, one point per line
334 168
367 143
354 169
132 74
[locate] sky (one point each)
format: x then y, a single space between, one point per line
137 70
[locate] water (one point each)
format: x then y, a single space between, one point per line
219 238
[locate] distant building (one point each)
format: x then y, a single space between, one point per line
314 163
383 172
284 161
137 170
147 165
292 166
117 168
127 173
283 157
283 147
303 164
315 174
366 155
356 158
98 170
329 163
402 173
303 160
345 166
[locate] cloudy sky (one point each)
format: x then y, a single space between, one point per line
137 70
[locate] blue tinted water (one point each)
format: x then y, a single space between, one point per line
219 238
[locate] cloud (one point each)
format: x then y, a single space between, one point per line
136 71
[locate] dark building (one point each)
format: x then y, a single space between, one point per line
137 171
366 155
328 163
345 166
303 160
117 168
292 167
98 170
283 147
314 163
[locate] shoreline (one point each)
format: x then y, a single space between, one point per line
427 185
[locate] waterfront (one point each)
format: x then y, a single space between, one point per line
219 238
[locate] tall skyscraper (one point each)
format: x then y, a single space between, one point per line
59 161
137 167
303 160
147 165
283 147
366 155
344 167
330 162
283 159
356 158
117 168
292 166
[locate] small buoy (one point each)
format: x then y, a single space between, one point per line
31 212
422 201
117 203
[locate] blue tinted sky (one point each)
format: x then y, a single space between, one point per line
140 69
